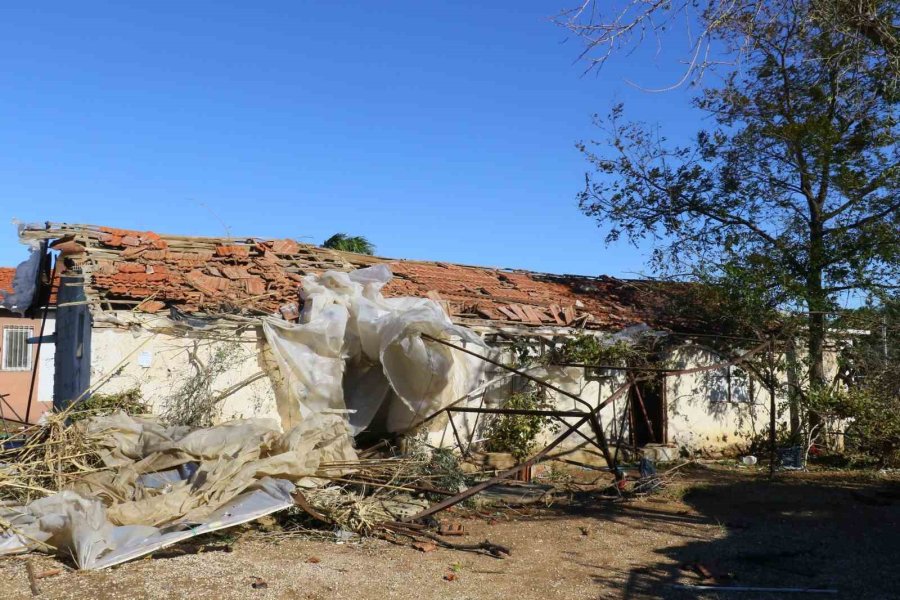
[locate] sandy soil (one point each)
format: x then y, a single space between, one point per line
824 530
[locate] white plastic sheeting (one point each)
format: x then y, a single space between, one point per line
353 354
79 527
166 484
354 350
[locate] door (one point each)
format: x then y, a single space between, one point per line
648 412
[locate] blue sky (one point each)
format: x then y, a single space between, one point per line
439 131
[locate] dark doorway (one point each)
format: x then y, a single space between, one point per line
650 394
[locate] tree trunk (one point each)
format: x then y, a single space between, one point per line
794 391
818 304
816 350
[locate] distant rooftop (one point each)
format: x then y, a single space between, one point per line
7 274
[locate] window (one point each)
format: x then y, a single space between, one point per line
16 349
731 384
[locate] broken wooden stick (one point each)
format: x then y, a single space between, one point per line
32 580
492 549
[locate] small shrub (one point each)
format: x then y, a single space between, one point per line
444 471
590 350
873 422
517 434
130 402
194 402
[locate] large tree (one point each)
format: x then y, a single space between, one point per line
798 179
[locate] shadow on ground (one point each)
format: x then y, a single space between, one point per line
801 530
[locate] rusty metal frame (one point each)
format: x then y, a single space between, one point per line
590 416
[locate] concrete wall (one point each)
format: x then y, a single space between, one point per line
17 384
163 366
715 411
705 412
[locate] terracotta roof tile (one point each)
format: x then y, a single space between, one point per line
7 274
206 274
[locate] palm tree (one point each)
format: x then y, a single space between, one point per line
356 243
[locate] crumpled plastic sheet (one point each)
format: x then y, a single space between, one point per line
79 527
24 283
166 484
355 350
353 354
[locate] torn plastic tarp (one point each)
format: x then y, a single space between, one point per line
79 527
165 484
354 350
354 353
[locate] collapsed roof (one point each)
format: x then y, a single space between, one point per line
150 272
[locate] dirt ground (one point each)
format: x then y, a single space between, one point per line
811 530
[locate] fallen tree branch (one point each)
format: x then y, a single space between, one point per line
485 547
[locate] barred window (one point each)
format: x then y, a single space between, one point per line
16 350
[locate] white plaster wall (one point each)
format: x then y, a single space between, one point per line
47 358
703 416
570 379
159 364
700 416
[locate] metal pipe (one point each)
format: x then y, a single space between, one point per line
519 372
37 354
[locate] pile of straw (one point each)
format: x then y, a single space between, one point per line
44 459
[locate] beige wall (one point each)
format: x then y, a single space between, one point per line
702 417
705 416
161 365
708 414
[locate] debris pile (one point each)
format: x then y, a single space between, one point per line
111 487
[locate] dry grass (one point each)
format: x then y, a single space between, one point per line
45 459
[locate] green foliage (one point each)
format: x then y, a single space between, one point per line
867 391
590 350
872 414
517 434
130 401
347 243
795 188
443 471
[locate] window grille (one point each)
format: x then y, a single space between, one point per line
16 349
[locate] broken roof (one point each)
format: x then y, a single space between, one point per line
149 272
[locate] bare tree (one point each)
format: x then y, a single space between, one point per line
610 27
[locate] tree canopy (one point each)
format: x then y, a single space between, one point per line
348 243
797 182
610 27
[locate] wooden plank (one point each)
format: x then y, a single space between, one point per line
520 312
510 314
555 311
533 315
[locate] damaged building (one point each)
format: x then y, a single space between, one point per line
167 314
